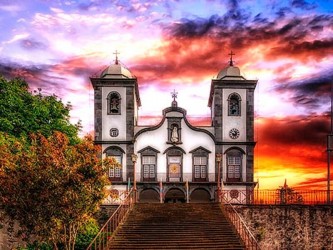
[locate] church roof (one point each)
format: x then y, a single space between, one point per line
230 72
117 70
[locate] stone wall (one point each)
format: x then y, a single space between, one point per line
290 226
8 234
9 229
275 227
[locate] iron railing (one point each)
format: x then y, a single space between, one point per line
103 239
282 196
242 229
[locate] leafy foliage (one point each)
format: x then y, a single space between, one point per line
22 112
86 234
50 186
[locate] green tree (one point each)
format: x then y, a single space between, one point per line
50 186
23 112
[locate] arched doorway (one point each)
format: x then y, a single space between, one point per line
200 195
174 195
149 195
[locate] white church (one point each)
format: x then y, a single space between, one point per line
175 161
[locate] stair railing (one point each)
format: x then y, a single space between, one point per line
240 225
104 236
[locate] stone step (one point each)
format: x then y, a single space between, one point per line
176 226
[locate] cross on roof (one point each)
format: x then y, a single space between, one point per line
116 53
231 61
174 95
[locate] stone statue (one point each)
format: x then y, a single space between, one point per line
174 134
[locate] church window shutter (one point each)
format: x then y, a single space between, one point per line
200 164
115 173
234 165
149 166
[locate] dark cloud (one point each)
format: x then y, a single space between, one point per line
295 131
313 182
302 4
283 12
32 44
52 79
299 36
311 92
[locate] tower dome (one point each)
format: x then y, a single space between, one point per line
230 72
116 71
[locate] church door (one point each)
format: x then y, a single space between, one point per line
174 169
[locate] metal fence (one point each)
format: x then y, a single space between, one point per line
240 226
103 238
282 196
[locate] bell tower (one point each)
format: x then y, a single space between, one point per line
116 102
232 111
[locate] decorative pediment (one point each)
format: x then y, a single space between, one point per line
114 150
149 150
200 150
174 150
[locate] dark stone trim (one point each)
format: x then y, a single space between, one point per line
174 147
199 129
172 109
237 148
251 143
148 148
114 146
229 84
149 128
198 148
252 184
113 142
102 82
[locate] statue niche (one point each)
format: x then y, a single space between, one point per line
174 134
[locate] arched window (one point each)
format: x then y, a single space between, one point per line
234 165
234 104
114 103
115 173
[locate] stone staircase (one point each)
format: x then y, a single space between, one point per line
176 226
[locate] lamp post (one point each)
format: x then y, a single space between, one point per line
329 150
219 159
134 159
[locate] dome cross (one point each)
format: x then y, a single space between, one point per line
116 53
231 61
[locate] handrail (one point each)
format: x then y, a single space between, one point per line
104 236
241 227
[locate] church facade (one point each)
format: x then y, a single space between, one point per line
174 161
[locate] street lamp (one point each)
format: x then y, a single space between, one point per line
219 159
134 159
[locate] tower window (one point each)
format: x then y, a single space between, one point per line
114 103
234 105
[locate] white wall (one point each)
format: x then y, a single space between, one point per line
238 122
190 140
113 121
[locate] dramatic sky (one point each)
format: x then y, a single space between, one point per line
181 44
